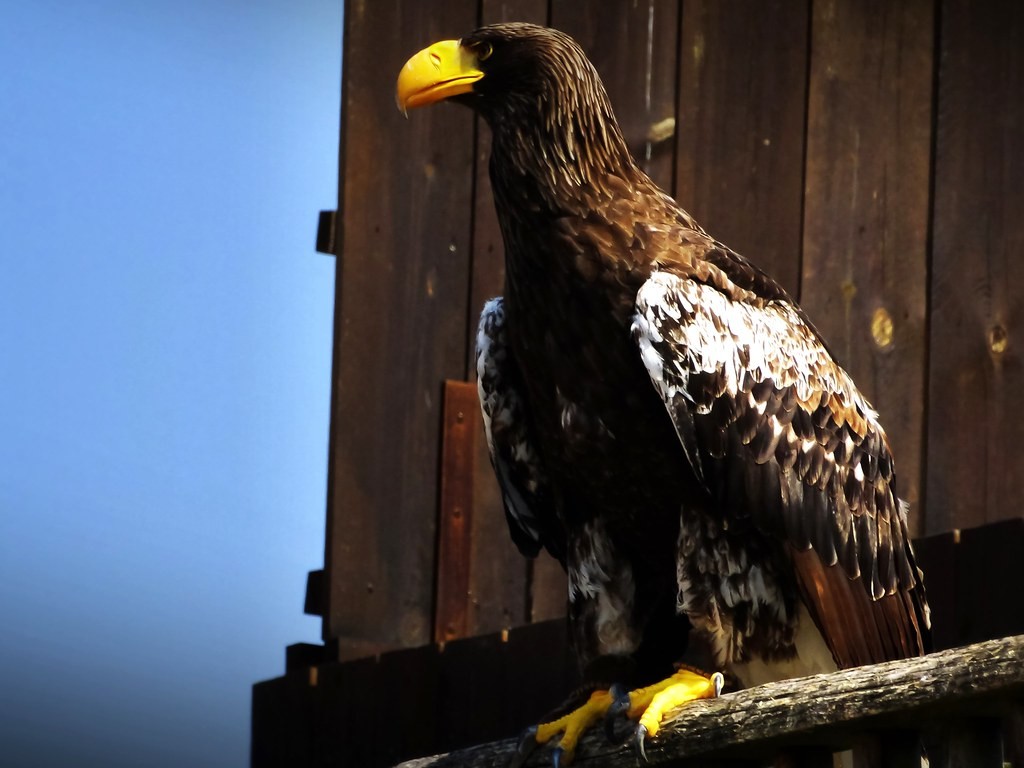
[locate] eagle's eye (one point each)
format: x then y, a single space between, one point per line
484 51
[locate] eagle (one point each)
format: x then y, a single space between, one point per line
662 417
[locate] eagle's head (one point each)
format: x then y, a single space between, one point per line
502 71
541 96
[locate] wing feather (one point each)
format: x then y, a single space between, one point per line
525 489
784 437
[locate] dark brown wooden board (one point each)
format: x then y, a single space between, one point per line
500 574
349 717
742 88
938 558
400 327
990 578
866 207
975 429
834 710
283 722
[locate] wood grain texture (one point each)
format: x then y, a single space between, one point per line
976 467
830 710
400 324
499 579
866 208
742 98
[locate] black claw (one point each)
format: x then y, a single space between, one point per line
556 757
617 711
641 734
527 745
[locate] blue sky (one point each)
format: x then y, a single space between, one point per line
165 338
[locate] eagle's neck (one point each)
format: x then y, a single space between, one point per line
559 157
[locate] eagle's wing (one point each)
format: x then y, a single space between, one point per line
779 434
525 490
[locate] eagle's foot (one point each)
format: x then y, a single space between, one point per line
645 705
571 727
649 705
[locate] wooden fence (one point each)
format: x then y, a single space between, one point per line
374 712
867 153
964 708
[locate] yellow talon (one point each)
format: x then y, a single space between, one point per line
648 705
573 725
651 703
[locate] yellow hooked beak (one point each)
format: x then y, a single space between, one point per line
439 72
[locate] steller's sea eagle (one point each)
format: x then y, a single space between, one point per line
662 417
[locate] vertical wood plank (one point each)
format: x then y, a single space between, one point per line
866 207
400 323
347 721
742 87
282 711
939 557
990 572
469 712
455 513
405 692
975 743
976 470
804 757
887 749
500 574
1013 734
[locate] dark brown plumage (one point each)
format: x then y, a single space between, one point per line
662 416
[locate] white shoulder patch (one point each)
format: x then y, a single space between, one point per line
684 327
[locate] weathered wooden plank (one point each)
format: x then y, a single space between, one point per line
939 557
989 577
866 208
887 749
455 514
350 716
500 574
976 467
633 46
473 713
406 720
1013 734
542 649
742 100
400 324
824 709
282 718
975 743
804 757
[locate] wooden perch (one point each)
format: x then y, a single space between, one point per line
831 710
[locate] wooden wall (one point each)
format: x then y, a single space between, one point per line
868 153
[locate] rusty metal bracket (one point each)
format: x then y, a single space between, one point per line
455 524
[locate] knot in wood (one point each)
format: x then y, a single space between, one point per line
882 328
997 339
